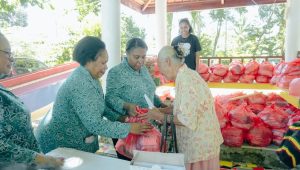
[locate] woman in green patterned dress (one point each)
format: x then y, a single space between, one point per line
79 107
17 142
128 82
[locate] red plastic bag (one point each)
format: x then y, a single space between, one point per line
266 69
291 68
251 68
257 98
284 81
278 135
231 78
247 78
294 118
205 76
215 78
262 79
149 141
233 136
219 69
236 68
242 117
256 108
221 113
279 67
294 87
274 117
259 135
202 68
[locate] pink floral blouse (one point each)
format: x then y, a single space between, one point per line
200 137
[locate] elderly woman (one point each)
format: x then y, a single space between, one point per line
129 81
77 116
198 130
17 142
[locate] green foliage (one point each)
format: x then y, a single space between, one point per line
169 27
86 7
129 30
263 36
11 13
13 18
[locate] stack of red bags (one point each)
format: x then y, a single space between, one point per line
265 72
236 69
251 70
285 72
218 72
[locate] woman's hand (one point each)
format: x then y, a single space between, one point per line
155 114
44 162
131 109
166 110
140 128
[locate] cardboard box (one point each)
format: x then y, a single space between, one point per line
157 161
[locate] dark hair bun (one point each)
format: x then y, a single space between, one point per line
179 51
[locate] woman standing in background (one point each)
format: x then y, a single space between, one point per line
188 43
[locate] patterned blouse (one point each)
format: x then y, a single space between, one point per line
200 137
78 113
127 85
17 142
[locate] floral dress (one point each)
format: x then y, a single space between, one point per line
200 137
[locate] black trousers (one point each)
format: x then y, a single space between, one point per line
119 155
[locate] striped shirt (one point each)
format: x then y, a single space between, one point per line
289 150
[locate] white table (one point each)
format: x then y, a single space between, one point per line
79 160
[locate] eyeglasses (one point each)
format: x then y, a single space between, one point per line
10 54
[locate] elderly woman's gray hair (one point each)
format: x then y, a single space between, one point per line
174 53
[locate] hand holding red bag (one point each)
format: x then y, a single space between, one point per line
149 141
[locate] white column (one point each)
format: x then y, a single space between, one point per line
292 38
111 33
161 23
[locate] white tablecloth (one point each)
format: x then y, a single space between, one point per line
79 160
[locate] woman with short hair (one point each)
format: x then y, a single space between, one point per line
17 142
79 108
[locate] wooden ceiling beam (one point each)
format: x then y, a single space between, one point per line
133 5
146 5
203 5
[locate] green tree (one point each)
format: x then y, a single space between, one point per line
86 7
219 16
129 30
169 27
267 37
11 13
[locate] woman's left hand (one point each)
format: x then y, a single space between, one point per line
155 114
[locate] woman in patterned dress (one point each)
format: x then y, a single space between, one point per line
198 130
128 82
77 116
17 142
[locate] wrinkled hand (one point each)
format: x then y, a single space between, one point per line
140 128
131 109
155 114
46 162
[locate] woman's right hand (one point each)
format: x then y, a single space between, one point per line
131 109
140 128
44 161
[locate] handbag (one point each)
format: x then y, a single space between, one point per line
168 143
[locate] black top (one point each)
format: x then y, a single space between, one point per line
190 45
